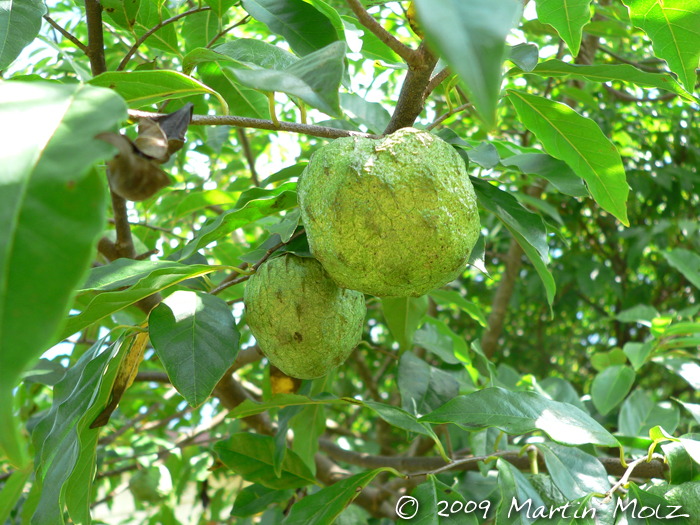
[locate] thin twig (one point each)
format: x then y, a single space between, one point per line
257 265
436 81
626 476
66 34
447 115
256 123
244 20
367 20
248 152
155 28
631 98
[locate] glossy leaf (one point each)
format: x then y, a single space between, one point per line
251 457
552 170
52 210
423 388
566 16
453 299
518 413
254 499
686 262
515 486
436 337
150 14
525 56
143 88
403 316
611 386
610 72
672 26
241 101
196 339
107 303
20 21
580 143
529 225
431 497
471 36
315 79
326 504
371 114
575 473
302 25
639 414
269 203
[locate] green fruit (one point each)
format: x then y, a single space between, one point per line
151 484
393 217
304 324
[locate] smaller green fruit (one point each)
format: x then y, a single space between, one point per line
152 484
304 324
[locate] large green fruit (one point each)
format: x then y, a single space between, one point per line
393 217
303 322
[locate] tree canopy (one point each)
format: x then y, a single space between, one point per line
149 158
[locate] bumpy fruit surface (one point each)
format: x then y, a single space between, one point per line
393 217
304 324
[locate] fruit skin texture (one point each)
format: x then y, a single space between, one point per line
305 325
394 217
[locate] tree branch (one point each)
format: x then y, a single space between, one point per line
409 55
436 81
256 123
96 45
66 34
155 28
447 115
411 101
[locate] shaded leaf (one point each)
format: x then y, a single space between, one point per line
566 16
371 114
196 339
403 316
423 388
52 203
518 413
579 142
452 299
686 262
611 386
552 170
471 36
20 22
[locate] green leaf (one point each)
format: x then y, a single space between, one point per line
403 317
241 101
471 36
566 16
637 353
430 496
325 505
525 56
453 299
122 12
559 389
220 6
579 142
641 313
255 53
518 413
575 473
150 14
196 339
20 22
270 202
552 170
315 79
686 262
437 337
371 114
529 225
121 273
688 369
199 29
52 210
672 26
302 25
250 408
12 490
515 486
57 437
107 303
610 72
143 88
639 414
611 386
423 388
681 467
251 457
254 499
